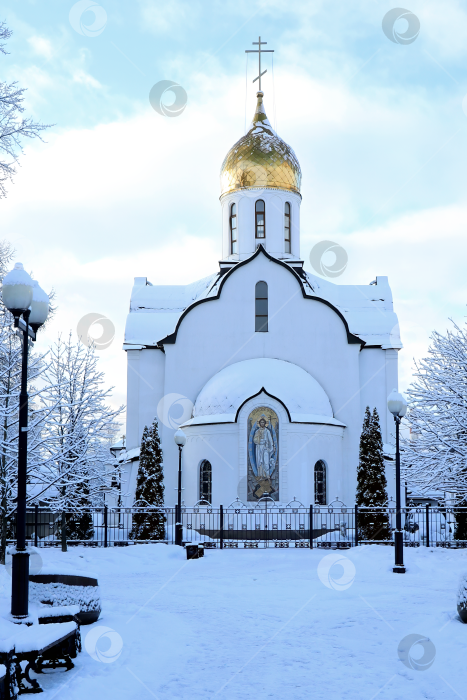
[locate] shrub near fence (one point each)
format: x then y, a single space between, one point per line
260 525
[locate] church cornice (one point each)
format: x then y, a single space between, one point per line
240 190
351 338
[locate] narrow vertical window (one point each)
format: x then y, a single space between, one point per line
233 229
261 307
260 219
205 481
287 228
320 483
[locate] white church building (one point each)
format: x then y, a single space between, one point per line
265 367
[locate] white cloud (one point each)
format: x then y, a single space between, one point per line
41 46
159 17
444 26
80 76
423 254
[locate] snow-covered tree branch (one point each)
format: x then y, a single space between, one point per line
74 464
14 127
436 456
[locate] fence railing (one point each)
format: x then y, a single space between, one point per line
238 526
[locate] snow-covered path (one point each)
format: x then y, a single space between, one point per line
261 624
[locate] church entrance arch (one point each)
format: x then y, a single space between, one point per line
263 454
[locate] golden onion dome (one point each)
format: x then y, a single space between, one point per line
260 159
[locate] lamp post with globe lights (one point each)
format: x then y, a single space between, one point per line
180 441
397 405
23 297
116 450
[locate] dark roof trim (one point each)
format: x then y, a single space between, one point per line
351 338
271 396
332 425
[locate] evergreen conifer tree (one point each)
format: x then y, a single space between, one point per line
371 481
149 488
79 525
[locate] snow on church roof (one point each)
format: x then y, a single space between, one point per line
226 391
165 303
368 309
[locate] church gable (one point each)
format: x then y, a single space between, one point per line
299 276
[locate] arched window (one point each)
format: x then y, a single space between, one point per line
260 219
320 483
233 229
205 481
261 307
287 228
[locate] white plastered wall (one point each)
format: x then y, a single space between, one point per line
145 388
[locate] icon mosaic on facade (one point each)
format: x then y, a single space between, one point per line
263 454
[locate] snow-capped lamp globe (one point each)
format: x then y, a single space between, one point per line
39 307
17 290
180 438
397 405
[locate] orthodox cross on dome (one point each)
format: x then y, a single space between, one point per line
259 51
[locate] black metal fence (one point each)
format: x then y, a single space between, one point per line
260 525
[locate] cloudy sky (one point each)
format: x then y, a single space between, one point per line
119 191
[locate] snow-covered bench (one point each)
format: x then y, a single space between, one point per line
67 588
60 613
40 646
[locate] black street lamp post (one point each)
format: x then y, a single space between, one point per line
116 451
23 297
398 407
180 441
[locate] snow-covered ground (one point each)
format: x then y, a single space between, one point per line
263 624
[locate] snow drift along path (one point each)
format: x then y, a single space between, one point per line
261 624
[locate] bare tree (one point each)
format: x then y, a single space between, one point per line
14 127
77 429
